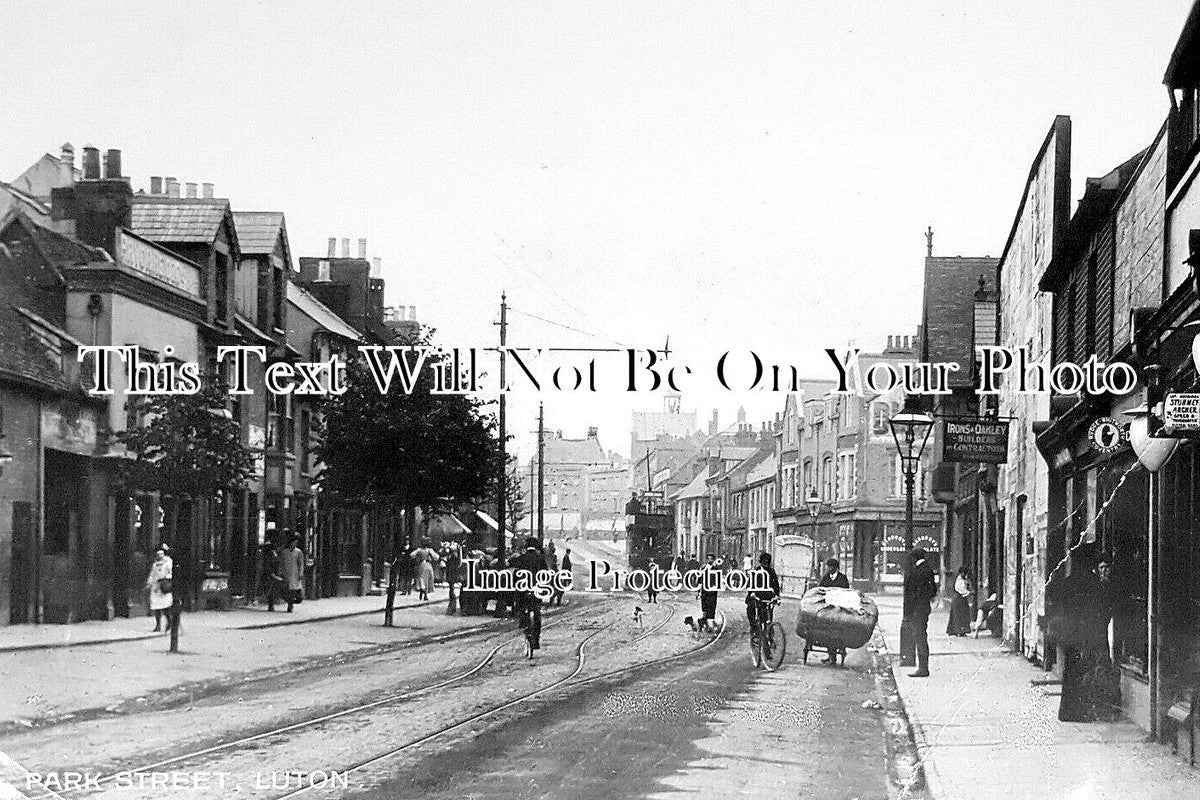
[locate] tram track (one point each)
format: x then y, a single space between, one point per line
567 682
487 631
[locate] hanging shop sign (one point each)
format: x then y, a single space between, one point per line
1105 435
1181 413
975 441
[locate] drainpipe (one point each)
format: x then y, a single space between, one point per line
1153 661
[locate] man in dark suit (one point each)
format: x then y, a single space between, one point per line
532 561
920 588
834 577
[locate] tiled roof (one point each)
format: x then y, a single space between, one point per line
12 197
258 231
175 219
20 358
574 452
319 312
697 488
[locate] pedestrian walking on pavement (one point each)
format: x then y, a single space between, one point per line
920 588
405 567
272 583
291 572
424 558
960 605
162 595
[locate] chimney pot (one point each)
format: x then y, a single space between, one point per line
332 247
191 189
376 263
91 163
345 248
156 186
412 313
112 164
67 157
362 248
172 187
206 190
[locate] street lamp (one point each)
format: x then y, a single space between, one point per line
910 429
813 501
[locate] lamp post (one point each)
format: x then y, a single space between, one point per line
813 501
910 429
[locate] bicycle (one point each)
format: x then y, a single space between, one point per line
529 619
768 639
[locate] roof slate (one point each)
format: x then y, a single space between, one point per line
258 231
175 219
20 359
319 312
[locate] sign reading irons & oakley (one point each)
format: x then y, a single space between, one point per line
975 441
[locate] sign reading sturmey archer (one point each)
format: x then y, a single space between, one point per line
976 441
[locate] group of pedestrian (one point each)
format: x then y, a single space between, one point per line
283 574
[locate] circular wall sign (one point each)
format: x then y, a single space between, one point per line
1106 435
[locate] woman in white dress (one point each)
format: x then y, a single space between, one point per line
158 580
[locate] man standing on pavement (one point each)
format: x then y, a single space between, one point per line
709 575
566 566
920 588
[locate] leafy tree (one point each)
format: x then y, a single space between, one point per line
407 449
185 447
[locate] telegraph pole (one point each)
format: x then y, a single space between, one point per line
502 494
541 473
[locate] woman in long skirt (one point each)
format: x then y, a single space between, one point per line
960 606
424 556
1091 688
158 580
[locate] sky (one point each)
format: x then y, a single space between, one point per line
736 177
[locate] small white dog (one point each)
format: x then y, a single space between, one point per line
637 616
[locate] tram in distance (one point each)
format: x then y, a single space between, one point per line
649 531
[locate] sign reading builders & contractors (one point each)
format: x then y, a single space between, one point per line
975 441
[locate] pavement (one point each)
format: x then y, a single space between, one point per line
985 727
54 673
123 629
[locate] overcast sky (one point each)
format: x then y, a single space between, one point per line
736 176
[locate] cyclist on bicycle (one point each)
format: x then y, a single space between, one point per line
758 607
527 603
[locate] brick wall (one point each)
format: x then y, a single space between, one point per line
1139 242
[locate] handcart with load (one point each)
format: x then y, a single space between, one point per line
835 620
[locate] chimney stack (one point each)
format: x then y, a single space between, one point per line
91 163
345 248
191 190
206 191
362 249
156 184
332 247
376 267
112 164
323 271
593 433
172 187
